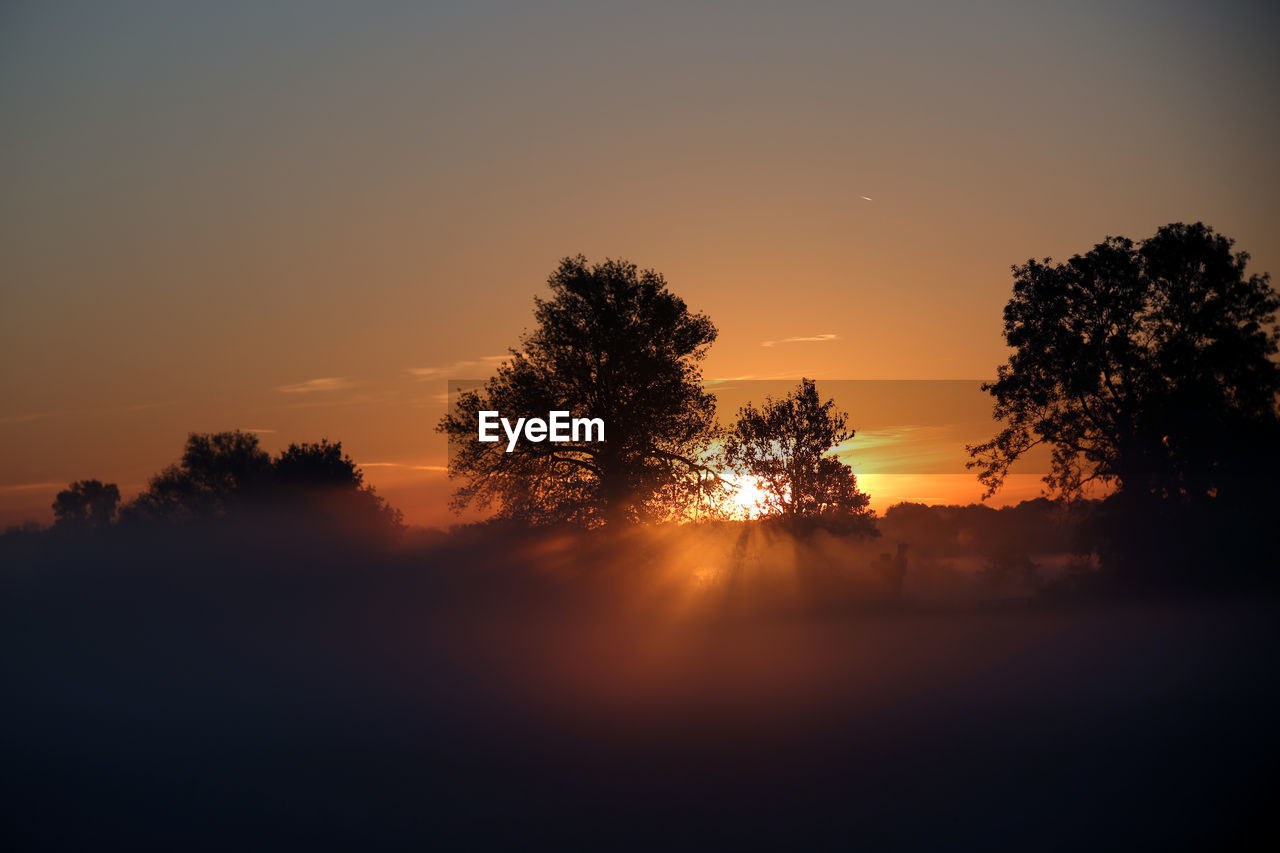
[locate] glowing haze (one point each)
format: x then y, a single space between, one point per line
302 219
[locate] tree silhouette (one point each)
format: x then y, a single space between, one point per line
784 446
316 466
611 343
86 503
217 470
228 473
320 477
1149 368
1145 366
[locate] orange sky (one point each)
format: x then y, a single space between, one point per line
246 216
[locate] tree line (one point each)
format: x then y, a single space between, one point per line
228 475
1146 367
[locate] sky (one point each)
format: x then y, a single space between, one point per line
302 219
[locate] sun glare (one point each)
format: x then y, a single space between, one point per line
749 496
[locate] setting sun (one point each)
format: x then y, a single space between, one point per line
749 496
479 426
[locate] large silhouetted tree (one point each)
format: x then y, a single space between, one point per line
86 503
612 342
785 446
1149 367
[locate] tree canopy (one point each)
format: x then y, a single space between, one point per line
1147 366
216 471
784 445
612 342
86 503
228 473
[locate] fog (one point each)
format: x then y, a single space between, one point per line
677 686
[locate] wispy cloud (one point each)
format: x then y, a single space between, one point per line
22 419
487 361
430 372
258 430
895 436
756 377
428 401
404 465
327 383
28 487
908 448
803 339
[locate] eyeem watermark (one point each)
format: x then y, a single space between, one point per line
558 426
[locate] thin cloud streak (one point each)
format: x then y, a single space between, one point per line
755 377
453 369
405 465
905 449
21 419
27 487
804 339
327 383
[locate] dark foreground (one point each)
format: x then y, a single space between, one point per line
456 697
